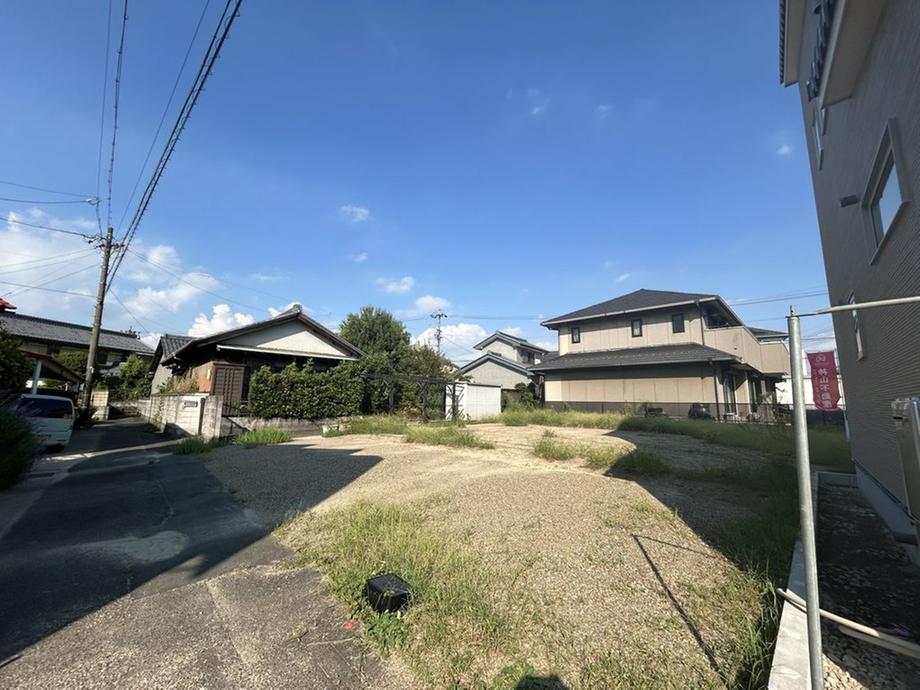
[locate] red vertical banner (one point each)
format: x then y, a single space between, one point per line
824 380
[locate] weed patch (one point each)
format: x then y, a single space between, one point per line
461 623
379 424
262 437
194 445
449 435
549 447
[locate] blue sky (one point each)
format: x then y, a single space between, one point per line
503 161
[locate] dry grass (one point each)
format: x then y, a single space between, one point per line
657 575
448 435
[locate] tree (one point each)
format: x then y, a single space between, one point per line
377 331
425 362
131 381
75 360
15 367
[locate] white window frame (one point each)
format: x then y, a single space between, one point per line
576 334
817 134
632 327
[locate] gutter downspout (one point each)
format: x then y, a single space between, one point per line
715 372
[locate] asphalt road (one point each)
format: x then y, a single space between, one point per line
139 568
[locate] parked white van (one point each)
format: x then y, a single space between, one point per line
51 417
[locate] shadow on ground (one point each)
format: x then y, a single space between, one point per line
108 529
746 511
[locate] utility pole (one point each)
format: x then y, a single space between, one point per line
437 333
97 324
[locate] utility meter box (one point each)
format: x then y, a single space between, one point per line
906 412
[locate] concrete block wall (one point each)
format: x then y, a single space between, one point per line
183 415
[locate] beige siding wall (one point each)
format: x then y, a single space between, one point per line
496 375
684 384
291 336
770 358
503 349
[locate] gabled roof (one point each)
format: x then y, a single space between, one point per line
510 339
63 333
640 300
168 345
295 313
688 353
497 359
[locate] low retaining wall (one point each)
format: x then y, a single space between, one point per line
233 425
182 415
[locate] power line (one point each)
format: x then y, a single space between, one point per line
172 93
44 289
48 227
131 314
26 288
46 262
116 97
44 189
42 202
204 72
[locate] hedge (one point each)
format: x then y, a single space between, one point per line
17 444
301 393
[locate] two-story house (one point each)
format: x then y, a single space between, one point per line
504 362
672 353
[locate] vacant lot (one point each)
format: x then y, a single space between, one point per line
547 571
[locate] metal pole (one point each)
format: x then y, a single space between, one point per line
97 324
806 514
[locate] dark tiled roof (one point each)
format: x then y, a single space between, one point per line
497 359
49 331
635 357
170 343
512 339
634 301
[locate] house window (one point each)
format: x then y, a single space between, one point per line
677 323
754 383
857 335
636 328
886 201
528 358
576 334
817 131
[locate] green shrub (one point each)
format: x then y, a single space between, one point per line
449 435
18 446
262 437
301 393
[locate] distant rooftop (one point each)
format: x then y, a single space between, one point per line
634 301
511 339
63 333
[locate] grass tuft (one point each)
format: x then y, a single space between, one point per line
262 437
635 460
460 618
452 435
195 445
549 447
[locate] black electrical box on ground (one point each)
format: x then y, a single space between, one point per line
388 592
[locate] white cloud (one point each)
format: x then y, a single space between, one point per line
151 340
266 277
358 258
150 301
550 345
396 286
274 311
141 271
784 150
223 319
458 340
602 111
537 102
354 214
516 331
430 303
623 277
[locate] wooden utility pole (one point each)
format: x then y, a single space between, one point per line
97 324
437 333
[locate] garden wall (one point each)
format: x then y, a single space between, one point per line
197 414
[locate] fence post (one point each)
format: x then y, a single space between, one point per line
806 514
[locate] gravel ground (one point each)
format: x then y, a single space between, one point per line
626 567
867 577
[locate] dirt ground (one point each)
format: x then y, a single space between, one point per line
629 568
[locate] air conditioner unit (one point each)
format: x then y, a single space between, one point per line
906 412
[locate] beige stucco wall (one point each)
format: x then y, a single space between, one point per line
654 384
502 348
496 375
291 336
